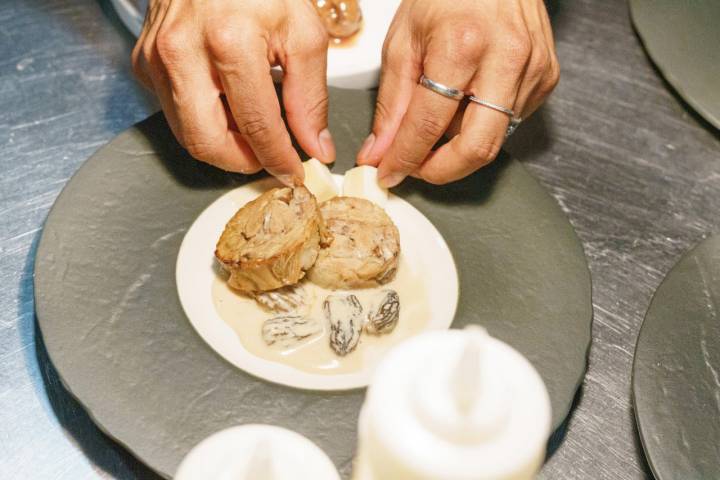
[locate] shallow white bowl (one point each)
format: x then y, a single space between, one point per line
421 244
354 66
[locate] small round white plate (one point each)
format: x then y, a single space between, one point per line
355 65
227 454
196 269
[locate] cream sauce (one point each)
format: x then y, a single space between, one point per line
246 318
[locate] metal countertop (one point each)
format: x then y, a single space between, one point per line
637 174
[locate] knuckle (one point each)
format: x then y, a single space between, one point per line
428 127
253 125
310 43
318 108
199 146
463 43
274 163
317 40
382 112
549 80
540 62
406 163
481 152
223 40
170 44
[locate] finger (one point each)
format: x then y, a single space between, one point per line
239 54
482 132
144 52
150 66
531 92
451 61
186 88
399 75
305 94
551 75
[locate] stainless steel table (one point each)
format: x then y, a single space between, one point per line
638 176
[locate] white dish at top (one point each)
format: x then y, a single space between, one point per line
422 246
355 65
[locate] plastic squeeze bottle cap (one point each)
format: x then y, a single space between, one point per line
256 452
454 405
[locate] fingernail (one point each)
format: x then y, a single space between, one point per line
366 147
327 146
287 180
391 180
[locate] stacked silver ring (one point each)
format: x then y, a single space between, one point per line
443 90
514 121
457 94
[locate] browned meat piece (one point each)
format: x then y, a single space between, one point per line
365 247
272 241
341 18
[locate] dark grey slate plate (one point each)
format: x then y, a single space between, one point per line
113 326
683 40
676 374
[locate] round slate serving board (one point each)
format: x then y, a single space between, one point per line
676 372
113 326
683 40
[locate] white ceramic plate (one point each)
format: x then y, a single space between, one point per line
421 244
354 66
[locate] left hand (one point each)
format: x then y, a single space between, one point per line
501 51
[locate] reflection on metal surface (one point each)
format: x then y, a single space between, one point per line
65 89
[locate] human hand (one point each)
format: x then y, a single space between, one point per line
501 51
209 61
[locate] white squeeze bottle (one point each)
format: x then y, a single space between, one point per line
256 452
453 405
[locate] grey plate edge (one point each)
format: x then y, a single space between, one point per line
37 306
633 372
567 409
671 79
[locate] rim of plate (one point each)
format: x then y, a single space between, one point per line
195 273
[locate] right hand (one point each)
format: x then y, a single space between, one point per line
209 61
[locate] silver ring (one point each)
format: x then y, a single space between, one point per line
494 106
514 121
443 90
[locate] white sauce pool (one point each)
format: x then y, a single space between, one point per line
246 318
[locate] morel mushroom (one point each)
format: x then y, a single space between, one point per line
344 313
